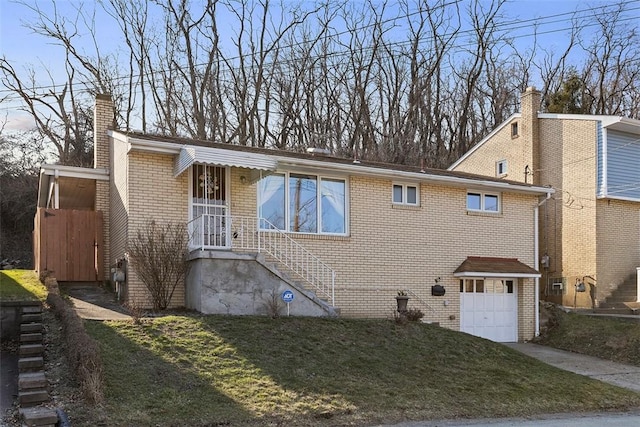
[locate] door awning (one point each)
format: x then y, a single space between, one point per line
494 267
220 157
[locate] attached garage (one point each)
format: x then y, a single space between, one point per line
489 295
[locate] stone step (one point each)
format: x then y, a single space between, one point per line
31 327
32 398
32 380
32 317
31 350
29 364
39 416
31 337
31 309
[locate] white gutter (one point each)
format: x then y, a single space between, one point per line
74 172
153 146
162 147
490 274
359 169
536 261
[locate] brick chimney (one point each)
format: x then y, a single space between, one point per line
529 106
103 120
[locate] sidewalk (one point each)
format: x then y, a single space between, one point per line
92 302
618 374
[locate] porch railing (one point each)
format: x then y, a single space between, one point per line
259 235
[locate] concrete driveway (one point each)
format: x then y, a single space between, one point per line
625 376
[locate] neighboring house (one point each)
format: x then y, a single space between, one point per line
343 235
590 228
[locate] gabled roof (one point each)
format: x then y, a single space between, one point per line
494 267
188 151
622 124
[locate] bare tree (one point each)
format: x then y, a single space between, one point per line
612 69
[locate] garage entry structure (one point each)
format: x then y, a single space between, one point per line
489 296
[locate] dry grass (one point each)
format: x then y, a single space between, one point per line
604 337
21 285
196 370
82 351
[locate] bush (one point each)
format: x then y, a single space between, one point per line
158 253
413 315
82 351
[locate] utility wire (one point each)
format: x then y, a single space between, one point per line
502 27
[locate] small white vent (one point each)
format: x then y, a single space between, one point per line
319 151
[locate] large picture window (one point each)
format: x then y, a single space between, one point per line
303 203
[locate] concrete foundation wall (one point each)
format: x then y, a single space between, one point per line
241 284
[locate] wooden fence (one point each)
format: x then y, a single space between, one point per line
68 244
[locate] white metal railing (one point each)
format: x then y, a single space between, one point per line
423 302
257 234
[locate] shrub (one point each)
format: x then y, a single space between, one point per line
159 256
82 351
413 315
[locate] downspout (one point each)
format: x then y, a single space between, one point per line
536 261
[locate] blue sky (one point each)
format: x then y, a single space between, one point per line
24 49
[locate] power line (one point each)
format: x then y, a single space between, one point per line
502 27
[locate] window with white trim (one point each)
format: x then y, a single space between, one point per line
501 168
405 194
483 202
303 203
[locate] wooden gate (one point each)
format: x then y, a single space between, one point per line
68 243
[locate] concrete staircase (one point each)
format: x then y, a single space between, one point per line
33 391
623 299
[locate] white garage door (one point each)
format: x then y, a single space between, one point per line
489 308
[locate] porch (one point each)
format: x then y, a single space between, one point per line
239 263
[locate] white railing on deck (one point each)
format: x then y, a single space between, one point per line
245 233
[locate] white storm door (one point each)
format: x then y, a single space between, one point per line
209 190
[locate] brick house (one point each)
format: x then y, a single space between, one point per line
343 235
590 228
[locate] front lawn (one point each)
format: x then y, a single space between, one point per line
215 370
21 285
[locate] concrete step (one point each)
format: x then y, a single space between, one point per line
31 337
32 380
31 350
630 296
614 310
32 309
32 397
32 317
38 417
30 364
30 327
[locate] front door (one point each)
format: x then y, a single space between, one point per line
210 205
